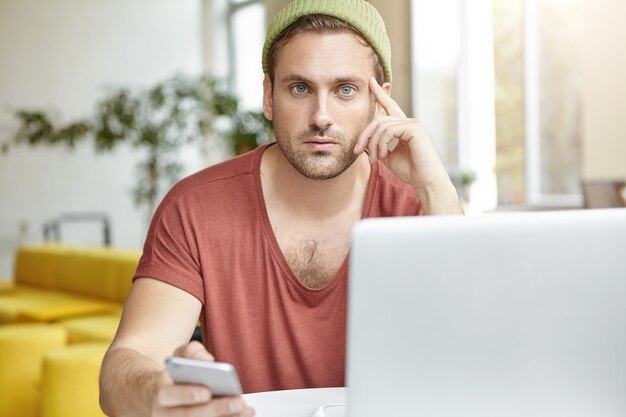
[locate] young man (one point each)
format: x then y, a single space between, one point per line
257 246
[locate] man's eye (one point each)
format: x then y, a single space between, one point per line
299 89
347 90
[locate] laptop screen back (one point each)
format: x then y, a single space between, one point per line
520 314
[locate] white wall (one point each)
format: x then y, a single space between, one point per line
63 54
604 90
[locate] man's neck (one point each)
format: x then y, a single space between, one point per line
310 198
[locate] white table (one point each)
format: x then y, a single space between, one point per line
298 402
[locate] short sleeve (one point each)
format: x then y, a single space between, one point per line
170 253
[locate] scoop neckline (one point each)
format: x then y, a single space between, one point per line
341 274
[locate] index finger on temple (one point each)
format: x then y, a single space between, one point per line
385 100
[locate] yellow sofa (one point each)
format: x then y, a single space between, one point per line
22 348
55 282
57 317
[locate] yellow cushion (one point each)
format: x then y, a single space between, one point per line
87 273
70 381
6 286
32 304
22 347
75 308
100 272
126 266
13 302
93 271
37 265
92 329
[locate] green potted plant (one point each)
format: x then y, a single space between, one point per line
463 180
158 120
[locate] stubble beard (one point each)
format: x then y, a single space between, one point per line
317 165
320 165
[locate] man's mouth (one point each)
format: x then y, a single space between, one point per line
319 144
321 141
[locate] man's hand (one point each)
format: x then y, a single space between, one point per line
185 399
158 318
403 145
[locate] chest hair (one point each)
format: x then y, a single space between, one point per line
315 257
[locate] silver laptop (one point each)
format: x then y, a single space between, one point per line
520 314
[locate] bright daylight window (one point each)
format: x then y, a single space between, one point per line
536 92
436 33
452 43
246 36
553 101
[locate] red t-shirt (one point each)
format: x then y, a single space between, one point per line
211 236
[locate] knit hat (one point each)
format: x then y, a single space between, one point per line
359 14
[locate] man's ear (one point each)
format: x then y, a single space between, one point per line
380 111
268 101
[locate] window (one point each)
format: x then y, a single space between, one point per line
436 55
553 101
498 88
508 26
453 96
246 37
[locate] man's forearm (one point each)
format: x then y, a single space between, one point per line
442 199
127 383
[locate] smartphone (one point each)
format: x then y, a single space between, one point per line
221 378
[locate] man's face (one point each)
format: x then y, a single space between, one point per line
320 101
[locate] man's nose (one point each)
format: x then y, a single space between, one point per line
321 116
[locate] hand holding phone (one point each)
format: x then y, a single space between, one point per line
221 378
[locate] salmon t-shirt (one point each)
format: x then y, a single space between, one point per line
211 236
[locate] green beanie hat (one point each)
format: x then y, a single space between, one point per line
359 14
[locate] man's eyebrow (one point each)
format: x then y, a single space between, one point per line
353 79
295 77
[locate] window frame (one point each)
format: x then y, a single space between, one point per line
532 119
232 9
475 114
